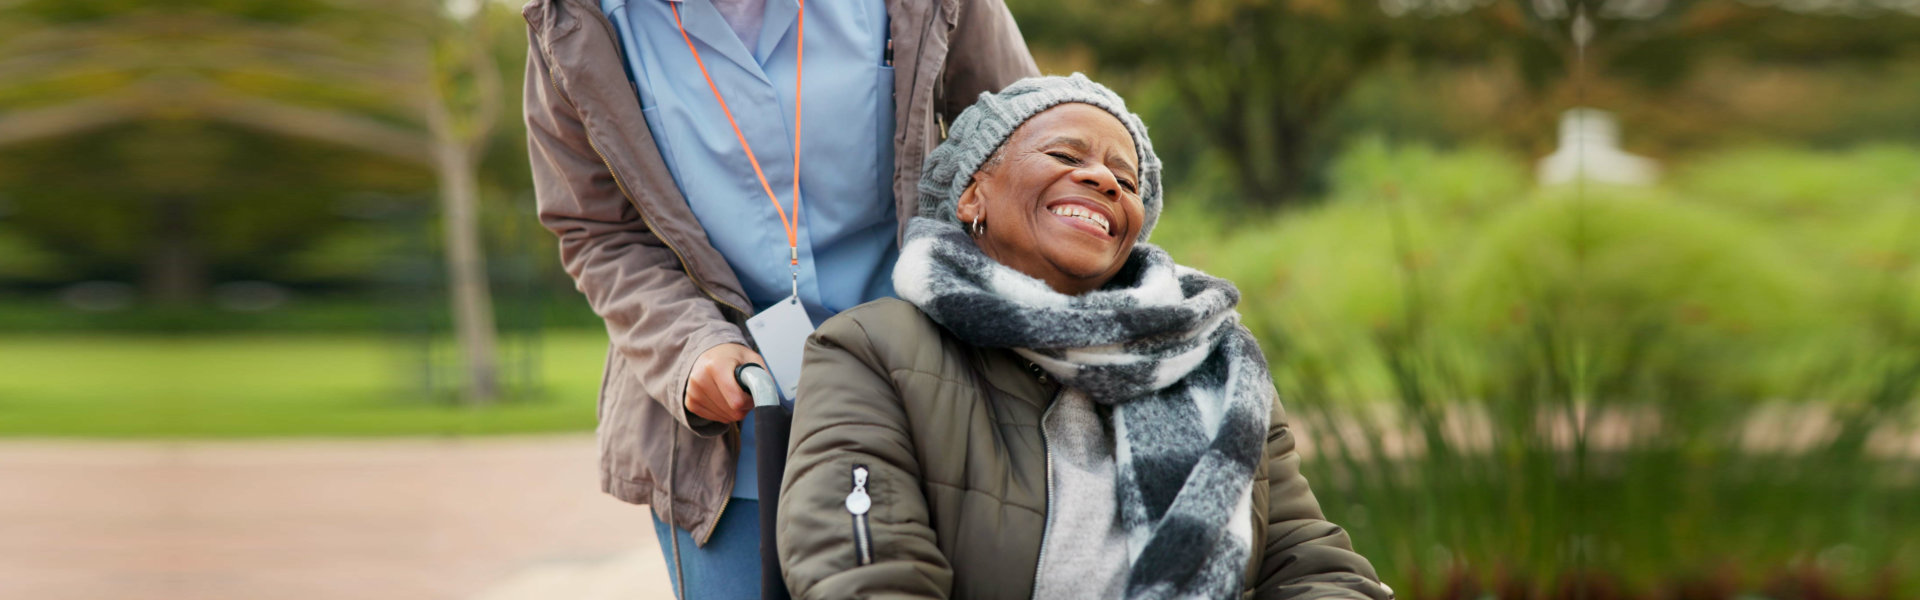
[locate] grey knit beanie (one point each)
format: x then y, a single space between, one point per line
980 130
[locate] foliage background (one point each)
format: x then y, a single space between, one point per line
1702 388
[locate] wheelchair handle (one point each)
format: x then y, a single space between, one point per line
758 383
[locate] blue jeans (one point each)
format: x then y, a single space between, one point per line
728 567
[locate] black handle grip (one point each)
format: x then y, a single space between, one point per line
773 428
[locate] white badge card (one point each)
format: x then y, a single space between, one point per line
781 333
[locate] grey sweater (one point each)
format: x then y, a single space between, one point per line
1084 551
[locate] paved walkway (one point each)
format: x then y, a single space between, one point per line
491 519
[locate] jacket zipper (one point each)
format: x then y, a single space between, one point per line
716 516
1046 523
617 182
858 503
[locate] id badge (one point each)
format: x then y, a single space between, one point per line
781 333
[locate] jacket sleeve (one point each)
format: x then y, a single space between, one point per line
852 416
985 54
656 317
1306 556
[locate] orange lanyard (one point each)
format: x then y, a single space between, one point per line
791 224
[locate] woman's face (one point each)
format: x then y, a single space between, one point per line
1061 200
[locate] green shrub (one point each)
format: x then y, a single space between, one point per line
1657 291
1323 284
1430 282
1791 186
1464 183
22 259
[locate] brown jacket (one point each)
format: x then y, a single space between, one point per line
957 474
633 247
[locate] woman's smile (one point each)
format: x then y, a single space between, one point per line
1083 215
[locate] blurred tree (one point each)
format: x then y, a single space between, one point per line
1260 77
414 83
1667 65
436 59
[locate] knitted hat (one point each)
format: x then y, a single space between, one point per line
980 130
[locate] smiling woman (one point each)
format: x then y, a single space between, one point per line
1060 201
1052 408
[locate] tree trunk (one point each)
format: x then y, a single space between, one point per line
456 151
467 266
176 271
1292 157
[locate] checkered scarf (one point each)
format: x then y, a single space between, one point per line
1162 347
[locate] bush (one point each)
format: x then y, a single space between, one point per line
1434 284
1727 280
1465 183
1797 187
1668 301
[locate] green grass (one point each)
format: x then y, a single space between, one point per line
257 386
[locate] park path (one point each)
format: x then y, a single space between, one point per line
479 519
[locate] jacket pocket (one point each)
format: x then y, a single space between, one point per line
858 503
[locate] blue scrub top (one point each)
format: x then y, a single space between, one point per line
847 220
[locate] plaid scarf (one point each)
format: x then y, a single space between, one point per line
1161 346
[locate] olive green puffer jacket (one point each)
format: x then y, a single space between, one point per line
948 439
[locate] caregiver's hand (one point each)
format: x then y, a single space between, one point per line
712 392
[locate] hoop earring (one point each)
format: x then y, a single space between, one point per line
977 230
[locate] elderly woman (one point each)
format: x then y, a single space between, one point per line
1056 409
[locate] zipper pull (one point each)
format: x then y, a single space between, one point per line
859 502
